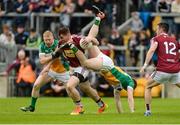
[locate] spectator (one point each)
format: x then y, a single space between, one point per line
144 41
15 64
7 37
117 40
147 6
83 6
100 4
21 36
136 24
33 40
6 6
34 6
20 7
25 78
68 9
58 7
7 43
2 8
45 5
132 45
69 6
25 74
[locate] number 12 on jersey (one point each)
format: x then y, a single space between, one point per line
170 48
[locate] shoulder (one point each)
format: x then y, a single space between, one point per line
41 46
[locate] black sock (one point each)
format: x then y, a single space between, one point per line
147 107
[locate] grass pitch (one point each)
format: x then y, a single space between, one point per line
56 111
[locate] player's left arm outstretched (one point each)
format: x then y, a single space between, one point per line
130 99
149 55
117 99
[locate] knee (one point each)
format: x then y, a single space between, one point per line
69 88
36 87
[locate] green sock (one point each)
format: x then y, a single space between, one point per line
33 101
97 21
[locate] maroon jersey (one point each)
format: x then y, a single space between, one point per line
168 55
71 57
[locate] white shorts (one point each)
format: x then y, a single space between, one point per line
81 70
63 77
163 77
107 62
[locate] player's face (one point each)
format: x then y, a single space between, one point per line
48 40
65 37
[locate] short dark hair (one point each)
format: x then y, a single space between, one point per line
135 83
64 30
164 26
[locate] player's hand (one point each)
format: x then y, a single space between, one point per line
56 54
85 42
142 70
101 15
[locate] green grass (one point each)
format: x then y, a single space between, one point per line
56 110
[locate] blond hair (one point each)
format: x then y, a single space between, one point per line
47 34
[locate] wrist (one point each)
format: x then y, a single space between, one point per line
97 21
145 65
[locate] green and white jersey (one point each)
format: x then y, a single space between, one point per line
59 65
118 78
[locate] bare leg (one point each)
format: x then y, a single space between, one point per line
93 63
72 91
150 84
86 88
42 79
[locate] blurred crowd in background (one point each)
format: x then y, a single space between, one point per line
17 40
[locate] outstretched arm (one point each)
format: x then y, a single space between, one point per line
130 99
118 101
149 55
95 28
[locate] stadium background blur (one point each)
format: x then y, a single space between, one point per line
124 36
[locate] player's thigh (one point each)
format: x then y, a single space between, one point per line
160 77
175 78
107 63
72 82
81 73
85 85
151 83
94 63
42 80
61 77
